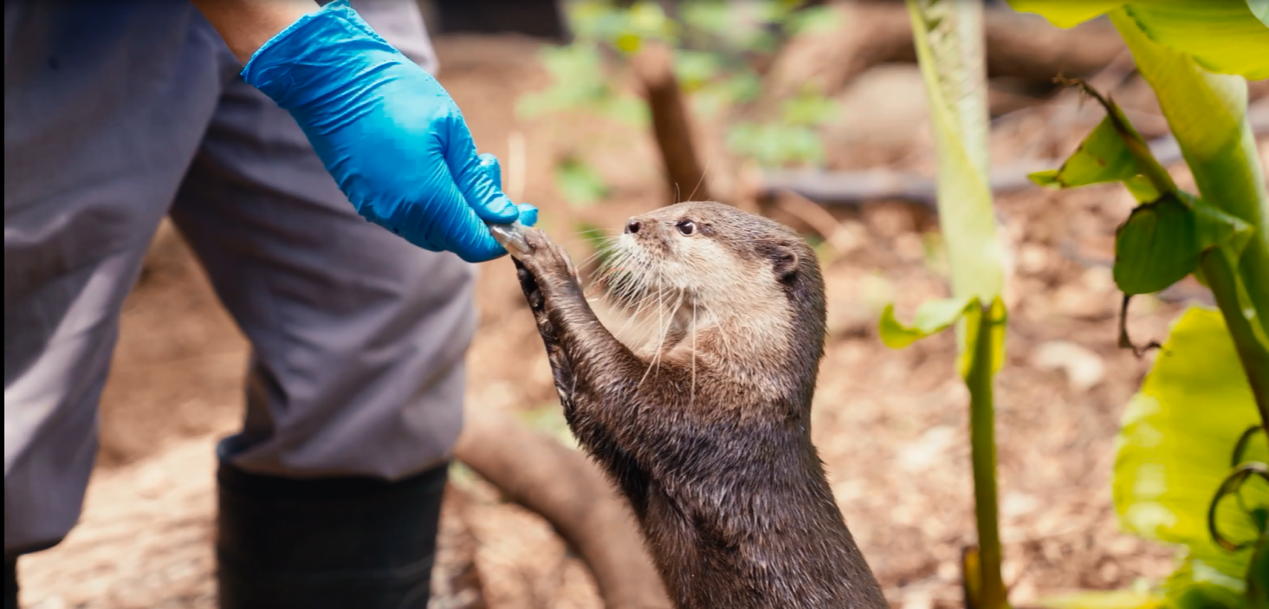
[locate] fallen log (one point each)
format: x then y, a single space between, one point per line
1018 46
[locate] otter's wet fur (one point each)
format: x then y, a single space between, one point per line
706 430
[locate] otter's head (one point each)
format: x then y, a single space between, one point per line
745 273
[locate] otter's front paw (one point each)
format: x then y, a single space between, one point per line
547 261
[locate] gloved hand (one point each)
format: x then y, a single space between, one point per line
391 136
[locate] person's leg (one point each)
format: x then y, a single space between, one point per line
330 495
104 106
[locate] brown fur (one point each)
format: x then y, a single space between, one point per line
707 433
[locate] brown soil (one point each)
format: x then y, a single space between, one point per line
891 425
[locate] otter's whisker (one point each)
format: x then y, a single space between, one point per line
635 316
656 355
668 316
704 172
692 400
599 251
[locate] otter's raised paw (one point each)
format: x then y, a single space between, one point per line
548 261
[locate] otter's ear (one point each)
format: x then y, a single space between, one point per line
785 261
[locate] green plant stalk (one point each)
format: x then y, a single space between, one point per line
1207 114
948 36
1255 360
982 435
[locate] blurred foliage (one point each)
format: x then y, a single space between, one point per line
578 182
718 50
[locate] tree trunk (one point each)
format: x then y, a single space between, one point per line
671 125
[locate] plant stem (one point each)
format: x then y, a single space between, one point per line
982 439
1252 354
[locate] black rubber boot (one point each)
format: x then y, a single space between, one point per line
326 543
11 584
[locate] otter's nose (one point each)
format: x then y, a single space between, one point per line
633 226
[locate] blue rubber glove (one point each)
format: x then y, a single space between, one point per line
391 136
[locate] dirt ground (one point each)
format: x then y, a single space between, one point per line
891 425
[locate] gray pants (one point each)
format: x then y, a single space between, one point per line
117 113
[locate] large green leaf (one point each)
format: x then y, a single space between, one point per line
1221 35
1175 446
1226 36
1110 599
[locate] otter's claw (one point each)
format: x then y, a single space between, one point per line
511 237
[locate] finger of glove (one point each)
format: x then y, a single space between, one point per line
490 165
472 176
528 214
457 228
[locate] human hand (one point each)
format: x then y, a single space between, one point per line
391 136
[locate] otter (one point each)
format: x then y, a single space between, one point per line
706 429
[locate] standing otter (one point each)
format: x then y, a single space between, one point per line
706 430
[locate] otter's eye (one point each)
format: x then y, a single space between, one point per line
686 227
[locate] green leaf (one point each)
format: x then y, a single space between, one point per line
1112 599
1162 241
1066 13
1101 157
1221 35
578 182
1225 36
1156 247
1174 446
932 317
1142 189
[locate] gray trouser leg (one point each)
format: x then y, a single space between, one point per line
97 134
112 112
